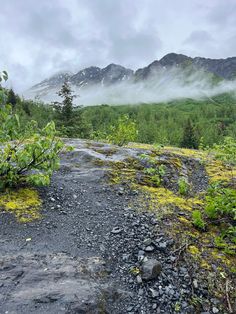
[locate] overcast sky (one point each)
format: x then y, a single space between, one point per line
40 38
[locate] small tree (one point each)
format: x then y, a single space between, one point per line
123 132
65 108
189 139
11 98
27 154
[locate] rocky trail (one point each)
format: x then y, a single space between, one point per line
94 251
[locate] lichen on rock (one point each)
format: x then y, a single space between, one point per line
24 203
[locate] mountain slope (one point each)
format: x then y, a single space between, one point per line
169 68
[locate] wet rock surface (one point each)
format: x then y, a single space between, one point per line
92 251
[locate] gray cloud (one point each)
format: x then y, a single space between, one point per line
40 38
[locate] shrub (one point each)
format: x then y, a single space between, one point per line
183 186
226 151
123 132
27 154
198 220
221 203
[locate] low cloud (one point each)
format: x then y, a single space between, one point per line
169 85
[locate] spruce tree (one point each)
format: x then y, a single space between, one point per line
189 139
66 107
11 98
66 117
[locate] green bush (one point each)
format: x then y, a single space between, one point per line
226 151
123 132
27 153
221 203
198 220
183 186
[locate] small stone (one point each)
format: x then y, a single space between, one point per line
140 292
141 253
162 246
215 310
147 242
139 279
129 309
154 293
116 230
195 283
172 258
52 199
149 248
151 269
121 191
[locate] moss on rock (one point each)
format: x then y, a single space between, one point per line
24 203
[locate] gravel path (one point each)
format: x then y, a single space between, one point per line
92 252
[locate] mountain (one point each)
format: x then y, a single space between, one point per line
223 68
111 74
169 66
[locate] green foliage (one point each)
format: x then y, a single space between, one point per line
189 139
198 221
226 151
183 186
221 202
27 153
227 240
3 76
30 159
70 119
12 98
212 120
123 132
65 108
220 210
155 172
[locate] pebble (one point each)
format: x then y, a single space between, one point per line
116 230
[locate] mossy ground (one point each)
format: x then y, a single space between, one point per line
24 203
175 210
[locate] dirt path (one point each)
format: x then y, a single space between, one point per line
85 254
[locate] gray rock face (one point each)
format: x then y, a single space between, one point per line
58 282
151 269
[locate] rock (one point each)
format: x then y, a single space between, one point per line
161 246
215 310
120 191
116 230
130 308
139 279
195 283
149 248
151 269
147 241
154 306
154 293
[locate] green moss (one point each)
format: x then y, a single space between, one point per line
24 204
161 197
217 171
193 250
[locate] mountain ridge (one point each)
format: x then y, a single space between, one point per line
217 69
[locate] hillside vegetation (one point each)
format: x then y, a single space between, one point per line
164 123
176 161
